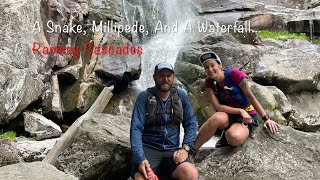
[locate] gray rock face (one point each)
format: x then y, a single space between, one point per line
22 73
100 149
220 6
34 170
8 153
40 127
31 150
120 67
290 154
274 102
291 70
20 87
232 53
51 99
305 22
306 114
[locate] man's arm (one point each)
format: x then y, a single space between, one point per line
136 129
189 120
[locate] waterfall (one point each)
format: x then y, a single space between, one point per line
161 46
311 28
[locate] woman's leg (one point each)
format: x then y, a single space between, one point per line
217 120
237 134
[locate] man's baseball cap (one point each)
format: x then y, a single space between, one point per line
161 66
209 55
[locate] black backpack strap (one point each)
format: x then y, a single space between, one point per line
151 108
176 110
176 107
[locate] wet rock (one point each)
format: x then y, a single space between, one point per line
306 116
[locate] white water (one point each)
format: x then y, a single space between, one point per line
311 29
161 47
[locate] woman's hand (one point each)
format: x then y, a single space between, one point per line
245 116
271 125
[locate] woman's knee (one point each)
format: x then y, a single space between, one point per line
237 134
218 120
186 171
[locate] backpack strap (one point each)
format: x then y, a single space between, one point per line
176 107
151 108
152 111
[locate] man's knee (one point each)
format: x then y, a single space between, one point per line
138 176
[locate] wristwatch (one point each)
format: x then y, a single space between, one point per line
186 147
265 117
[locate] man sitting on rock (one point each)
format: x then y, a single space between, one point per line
155 129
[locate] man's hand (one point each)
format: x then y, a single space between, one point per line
180 156
144 168
245 116
271 125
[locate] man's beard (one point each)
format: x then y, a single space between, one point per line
164 87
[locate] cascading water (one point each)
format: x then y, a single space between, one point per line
160 46
311 28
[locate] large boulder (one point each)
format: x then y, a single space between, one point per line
31 150
100 149
34 170
289 154
306 116
8 152
122 103
274 102
231 52
22 73
40 127
292 69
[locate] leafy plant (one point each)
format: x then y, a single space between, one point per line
11 135
283 35
38 110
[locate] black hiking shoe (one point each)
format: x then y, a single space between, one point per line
222 142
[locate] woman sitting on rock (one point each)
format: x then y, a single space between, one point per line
236 106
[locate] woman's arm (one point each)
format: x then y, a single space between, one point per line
271 125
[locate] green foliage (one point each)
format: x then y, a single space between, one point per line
38 110
11 135
283 35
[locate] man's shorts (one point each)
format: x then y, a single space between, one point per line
162 159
